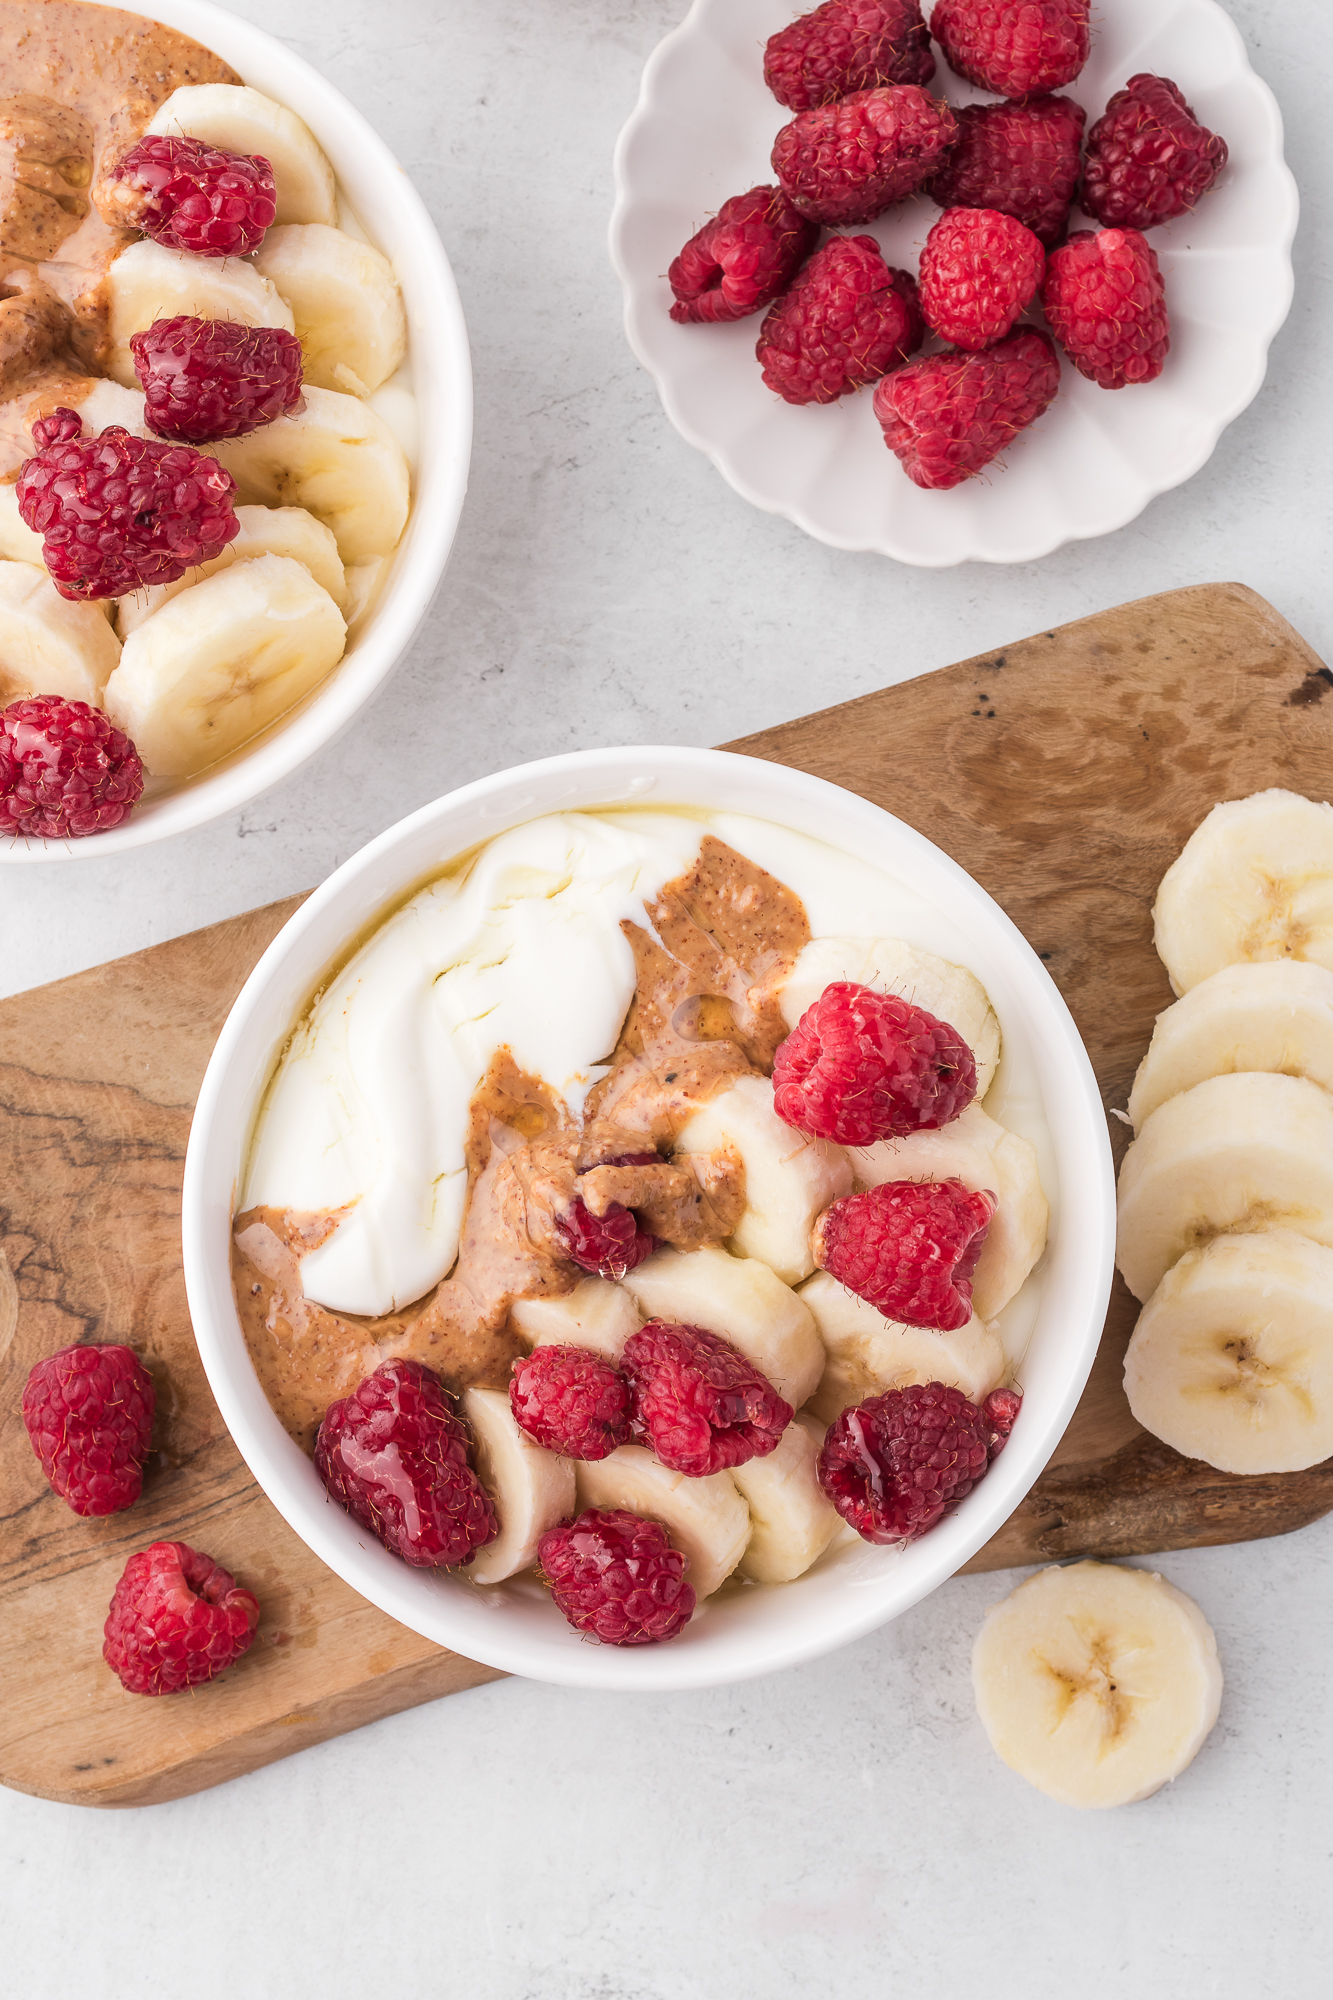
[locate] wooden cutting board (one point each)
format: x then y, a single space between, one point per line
1064 772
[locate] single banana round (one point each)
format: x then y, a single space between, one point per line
984 1156
243 120
345 300
222 661
18 542
792 1521
743 1301
49 644
364 580
532 1488
706 1519
950 992
1097 1683
1235 1155
1253 881
337 458
789 1179
868 1353
264 531
1272 1015
148 282
1232 1358
596 1314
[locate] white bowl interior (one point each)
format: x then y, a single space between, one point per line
854 1589
396 220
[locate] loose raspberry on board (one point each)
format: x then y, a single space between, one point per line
616 1577
192 196
177 1619
88 1411
909 1248
845 46
698 1401
209 379
65 772
741 260
848 162
848 319
861 1066
571 1400
948 416
893 1465
1104 297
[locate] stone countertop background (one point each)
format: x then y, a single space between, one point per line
843 1823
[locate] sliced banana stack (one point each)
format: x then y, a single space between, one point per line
1273 1015
868 1353
1232 1358
346 302
1235 1155
789 1178
338 459
791 1521
950 992
532 1488
596 1314
706 1519
743 1301
48 644
242 120
1097 1684
148 282
264 531
221 661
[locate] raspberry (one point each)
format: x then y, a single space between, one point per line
1106 303
1149 158
850 161
616 1577
118 513
607 1245
846 321
861 1066
64 771
946 417
571 1400
893 1464
1020 158
700 1404
196 197
979 268
1013 47
742 259
845 46
908 1247
177 1619
89 1413
1000 1411
395 1455
206 379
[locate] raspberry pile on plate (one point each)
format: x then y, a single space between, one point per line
867 135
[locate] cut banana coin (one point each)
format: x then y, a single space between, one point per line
532 1488
336 458
1274 1015
1095 1683
48 644
950 992
242 120
868 1353
1254 881
743 1301
983 1156
1232 1358
791 1520
345 300
596 1314
789 1178
1234 1156
148 282
221 661
706 1519
18 542
264 531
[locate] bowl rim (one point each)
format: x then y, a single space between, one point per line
466 1621
442 368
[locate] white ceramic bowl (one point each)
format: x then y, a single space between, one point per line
852 1590
703 130
396 219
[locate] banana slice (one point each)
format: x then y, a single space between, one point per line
148 282
1095 1683
596 1314
868 1353
950 992
791 1521
346 302
1254 881
242 120
705 1519
1277 1015
741 1299
1233 1156
364 581
264 531
49 645
18 542
1232 1359
982 1155
335 457
221 661
789 1179
532 1488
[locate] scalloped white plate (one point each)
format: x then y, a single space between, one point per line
703 130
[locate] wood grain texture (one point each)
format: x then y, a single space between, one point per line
1064 772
